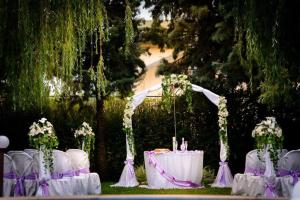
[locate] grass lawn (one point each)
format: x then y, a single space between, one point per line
106 189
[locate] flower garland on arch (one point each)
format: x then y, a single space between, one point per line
176 85
127 124
268 134
223 114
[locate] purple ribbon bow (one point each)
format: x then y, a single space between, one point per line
270 191
82 171
59 175
19 187
129 163
295 174
222 179
255 171
45 187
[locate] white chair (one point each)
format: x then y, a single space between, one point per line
26 183
61 182
255 164
9 179
296 192
81 165
289 171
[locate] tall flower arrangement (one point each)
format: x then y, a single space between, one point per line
127 124
223 113
176 85
268 135
42 136
85 137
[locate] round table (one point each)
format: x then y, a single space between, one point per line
174 169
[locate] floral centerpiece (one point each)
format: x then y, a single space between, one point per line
223 113
42 136
176 85
85 137
268 135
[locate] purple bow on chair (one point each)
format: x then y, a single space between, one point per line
45 187
59 175
19 187
255 171
82 171
295 174
270 191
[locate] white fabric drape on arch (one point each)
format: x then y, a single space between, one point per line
128 179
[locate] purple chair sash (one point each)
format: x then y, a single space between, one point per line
255 171
19 187
82 171
59 175
129 163
45 187
270 191
152 161
295 174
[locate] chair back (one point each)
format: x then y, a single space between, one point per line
30 152
255 164
290 161
79 159
62 161
14 151
8 164
22 163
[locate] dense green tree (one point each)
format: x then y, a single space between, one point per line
89 45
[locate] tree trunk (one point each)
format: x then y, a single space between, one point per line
101 162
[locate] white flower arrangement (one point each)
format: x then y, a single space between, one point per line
127 124
42 136
176 85
85 137
223 114
268 135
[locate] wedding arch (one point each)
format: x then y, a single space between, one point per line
128 178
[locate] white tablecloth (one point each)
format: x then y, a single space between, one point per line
184 166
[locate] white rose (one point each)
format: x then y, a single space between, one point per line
43 120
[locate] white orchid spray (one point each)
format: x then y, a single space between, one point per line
267 133
42 136
85 137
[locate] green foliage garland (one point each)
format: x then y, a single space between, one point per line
176 85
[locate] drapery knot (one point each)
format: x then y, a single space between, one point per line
129 161
222 163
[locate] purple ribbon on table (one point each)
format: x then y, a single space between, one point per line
129 163
45 187
82 171
255 171
294 173
270 191
152 161
59 175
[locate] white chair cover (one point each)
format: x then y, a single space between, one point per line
255 164
289 171
31 152
14 151
9 180
86 182
296 192
61 182
26 178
